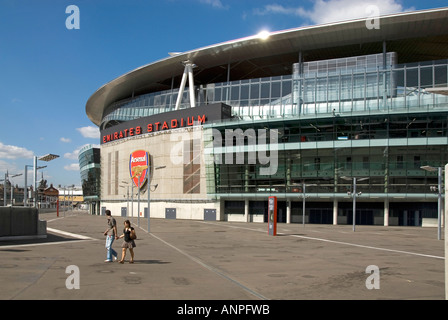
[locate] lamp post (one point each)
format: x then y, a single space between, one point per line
132 197
304 185
127 196
25 201
303 200
12 187
4 188
138 203
149 191
354 195
25 189
46 158
7 179
439 196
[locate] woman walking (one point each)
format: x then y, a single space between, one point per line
128 243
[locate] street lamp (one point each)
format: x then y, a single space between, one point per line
354 195
439 196
25 196
132 197
4 188
7 179
149 191
12 187
46 158
127 197
303 199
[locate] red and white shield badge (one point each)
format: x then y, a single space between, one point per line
138 167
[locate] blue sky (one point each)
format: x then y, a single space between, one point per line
48 72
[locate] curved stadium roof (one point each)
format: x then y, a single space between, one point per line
415 36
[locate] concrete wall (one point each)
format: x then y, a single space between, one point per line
194 211
21 222
165 149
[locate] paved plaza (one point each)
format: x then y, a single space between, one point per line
203 260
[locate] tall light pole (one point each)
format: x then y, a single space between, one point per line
46 158
4 188
303 203
132 199
354 195
12 187
149 191
138 203
303 198
7 179
25 189
127 196
439 196
25 199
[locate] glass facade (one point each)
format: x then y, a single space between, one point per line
390 149
339 86
89 165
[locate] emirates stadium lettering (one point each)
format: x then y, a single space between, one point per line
154 127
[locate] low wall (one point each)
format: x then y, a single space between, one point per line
430 222
21 222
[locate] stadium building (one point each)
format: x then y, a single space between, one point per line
306 114
89 167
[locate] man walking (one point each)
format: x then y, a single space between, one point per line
110 233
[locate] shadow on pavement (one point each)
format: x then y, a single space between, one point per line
50 238
136 261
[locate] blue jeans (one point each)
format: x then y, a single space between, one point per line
110 252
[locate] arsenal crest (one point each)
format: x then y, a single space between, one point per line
138 167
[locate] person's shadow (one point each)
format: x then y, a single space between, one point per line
137 261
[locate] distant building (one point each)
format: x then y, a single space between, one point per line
89 166
16 198
49 198
70 198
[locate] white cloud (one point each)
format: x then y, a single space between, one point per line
74 155
6 166
14 152
89 132
279 9
66 140
214 3
335 10
72 167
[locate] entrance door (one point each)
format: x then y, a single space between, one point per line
321 216
210 214
170 213
281 211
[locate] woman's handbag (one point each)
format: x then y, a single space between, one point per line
133 235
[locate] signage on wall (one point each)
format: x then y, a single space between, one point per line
166 121
138 167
